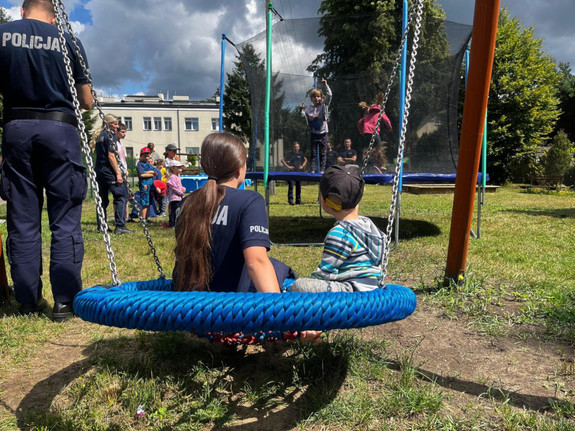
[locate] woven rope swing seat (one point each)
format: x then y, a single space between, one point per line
154 306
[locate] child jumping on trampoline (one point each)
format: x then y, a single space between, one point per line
353 248
317 115
367 123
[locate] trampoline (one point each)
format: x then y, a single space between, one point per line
407 178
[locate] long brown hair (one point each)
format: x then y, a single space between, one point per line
222 154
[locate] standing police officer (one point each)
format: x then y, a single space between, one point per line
42 152
294 162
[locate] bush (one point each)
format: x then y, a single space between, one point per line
569 177
559 157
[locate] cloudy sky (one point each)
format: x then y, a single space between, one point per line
151 46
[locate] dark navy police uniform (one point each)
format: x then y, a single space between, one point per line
331 158
41 152
240 222
348 154
295 159
107 182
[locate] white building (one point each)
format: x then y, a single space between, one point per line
154 119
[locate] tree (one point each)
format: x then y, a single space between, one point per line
558 158
566 93
237 108
523 104
89 119
244 99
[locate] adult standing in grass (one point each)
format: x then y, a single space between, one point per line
42 153
295 161
109 175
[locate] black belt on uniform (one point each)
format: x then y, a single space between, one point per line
26 114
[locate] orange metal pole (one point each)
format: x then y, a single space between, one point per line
484 35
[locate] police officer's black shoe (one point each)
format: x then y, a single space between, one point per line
291 203
122 230
62 311
33 308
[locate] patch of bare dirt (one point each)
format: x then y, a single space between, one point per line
529 373
46 373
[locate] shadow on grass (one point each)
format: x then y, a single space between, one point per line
270 387
557 212
480 390
289 230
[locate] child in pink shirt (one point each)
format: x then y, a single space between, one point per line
175 191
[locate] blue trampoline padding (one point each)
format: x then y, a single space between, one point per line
408 178
152 305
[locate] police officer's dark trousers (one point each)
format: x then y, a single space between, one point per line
43 155
120 195
297 191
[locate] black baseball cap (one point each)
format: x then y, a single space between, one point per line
345 182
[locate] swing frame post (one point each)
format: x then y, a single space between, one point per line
485 21
223 59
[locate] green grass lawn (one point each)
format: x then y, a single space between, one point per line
519 286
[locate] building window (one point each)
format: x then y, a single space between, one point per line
167 123
147 123
215 124
128 123
157 123
192 124
129 152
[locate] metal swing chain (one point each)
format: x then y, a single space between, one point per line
389 86
58 8
401 147
61 15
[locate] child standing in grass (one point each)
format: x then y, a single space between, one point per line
146 180
353 249
175 190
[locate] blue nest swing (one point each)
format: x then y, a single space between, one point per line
154 306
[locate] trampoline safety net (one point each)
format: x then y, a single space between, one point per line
306 50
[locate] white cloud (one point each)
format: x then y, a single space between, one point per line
13 12
172 45
77 27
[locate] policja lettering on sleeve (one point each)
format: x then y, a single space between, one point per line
259 229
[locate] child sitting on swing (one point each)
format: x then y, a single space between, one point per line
353 248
